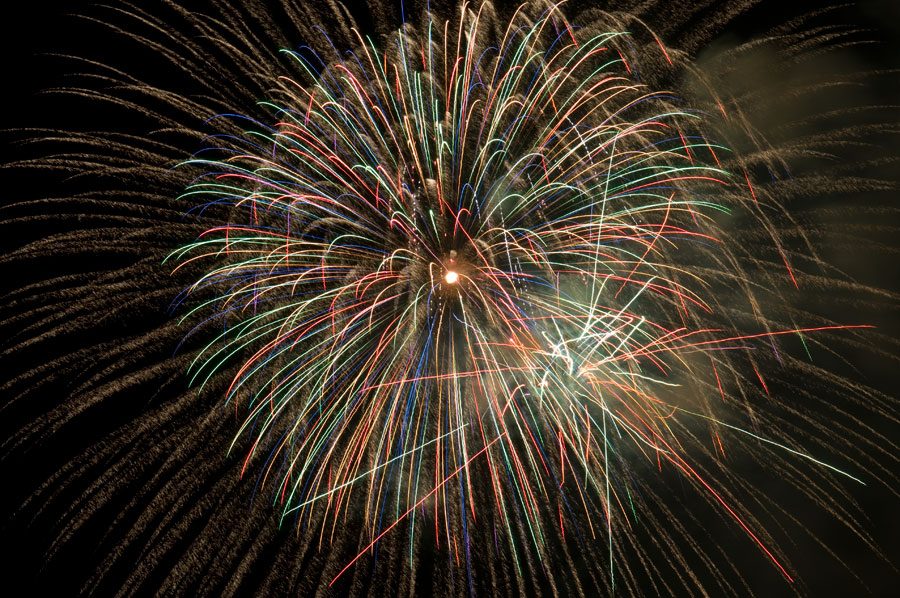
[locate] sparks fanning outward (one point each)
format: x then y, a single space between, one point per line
451 261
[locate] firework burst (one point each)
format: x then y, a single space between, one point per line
458 260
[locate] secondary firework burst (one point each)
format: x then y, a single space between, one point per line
469 256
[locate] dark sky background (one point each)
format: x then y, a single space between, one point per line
27 29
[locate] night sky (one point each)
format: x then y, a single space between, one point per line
29 31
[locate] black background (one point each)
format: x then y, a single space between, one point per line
28 30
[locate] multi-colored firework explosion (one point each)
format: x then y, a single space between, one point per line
500 284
